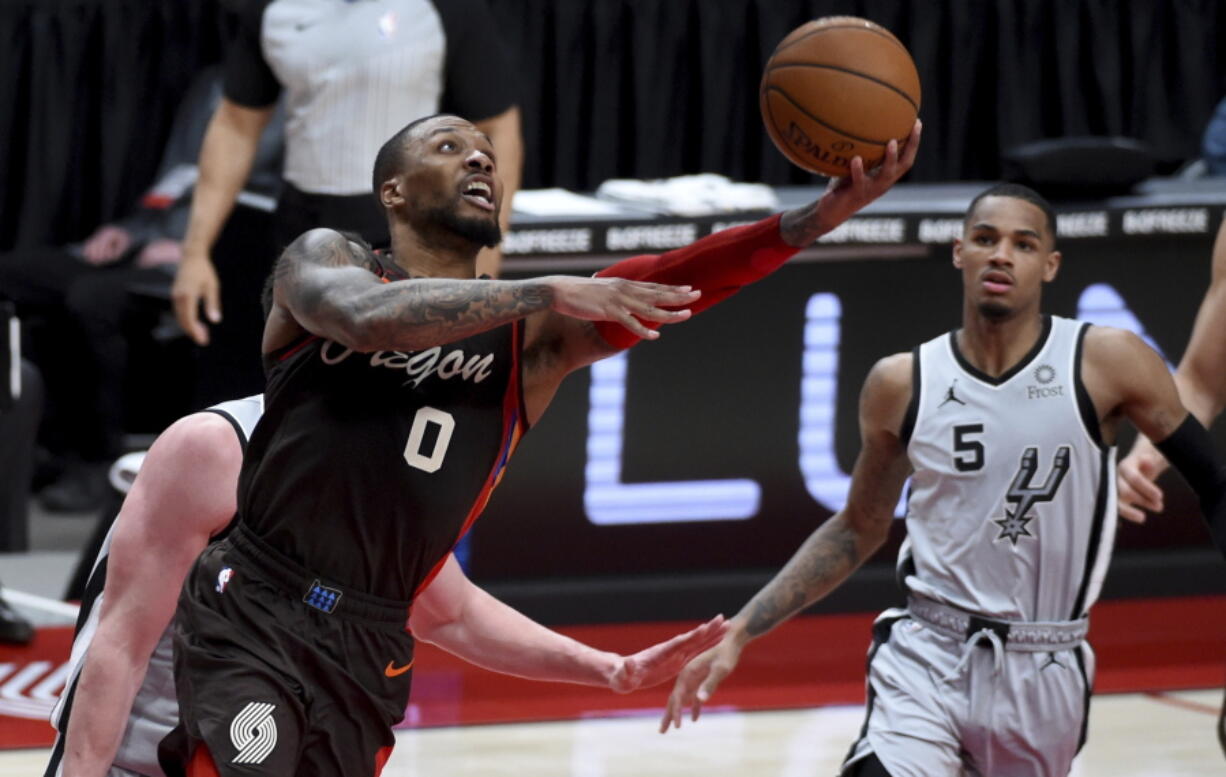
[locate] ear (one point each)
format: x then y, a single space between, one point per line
391 193
957 252
1051 266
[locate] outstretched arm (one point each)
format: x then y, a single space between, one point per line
325 285
1201 380
718 265
466 621
830 554
185 492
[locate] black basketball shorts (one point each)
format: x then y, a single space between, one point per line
279 672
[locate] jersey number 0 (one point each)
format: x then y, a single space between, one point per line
425 417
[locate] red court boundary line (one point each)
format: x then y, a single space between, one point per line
1175 701
1142 646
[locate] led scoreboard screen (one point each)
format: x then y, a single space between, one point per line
725 443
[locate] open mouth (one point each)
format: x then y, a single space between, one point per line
479 191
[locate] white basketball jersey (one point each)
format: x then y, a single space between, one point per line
1013 503
155 710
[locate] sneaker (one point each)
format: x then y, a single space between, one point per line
83 488
14 629
48 467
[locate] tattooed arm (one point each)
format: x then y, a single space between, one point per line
719 265
832 552
324 284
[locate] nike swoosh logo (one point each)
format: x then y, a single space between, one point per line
392 671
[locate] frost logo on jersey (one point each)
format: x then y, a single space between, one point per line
1044 374
419 365
254 733
223 579
1024 495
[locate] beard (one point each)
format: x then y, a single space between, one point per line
482 231
994 311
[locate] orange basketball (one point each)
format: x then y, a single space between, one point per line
836 88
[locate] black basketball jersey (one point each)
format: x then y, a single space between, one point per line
369 467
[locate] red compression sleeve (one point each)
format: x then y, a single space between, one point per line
718 265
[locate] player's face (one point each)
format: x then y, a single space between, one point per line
451 179
1005 254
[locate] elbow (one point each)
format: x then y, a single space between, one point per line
422 627
432 626
880 534
871 531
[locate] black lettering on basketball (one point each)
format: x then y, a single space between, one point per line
799 139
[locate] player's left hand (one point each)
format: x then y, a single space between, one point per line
698 681
1137 490
846 195
661 662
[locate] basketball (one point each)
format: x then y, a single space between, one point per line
836 88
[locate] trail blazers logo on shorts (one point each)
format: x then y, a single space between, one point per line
254 733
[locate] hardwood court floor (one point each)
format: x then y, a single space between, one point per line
470 722
1131 735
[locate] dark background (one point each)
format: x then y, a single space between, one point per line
653 88
719 397
620 88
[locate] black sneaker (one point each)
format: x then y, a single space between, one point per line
14 629
83 488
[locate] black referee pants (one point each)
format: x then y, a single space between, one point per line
299 211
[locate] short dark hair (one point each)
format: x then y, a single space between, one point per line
1017 192
387 161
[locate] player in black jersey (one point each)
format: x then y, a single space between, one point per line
397 392
119 699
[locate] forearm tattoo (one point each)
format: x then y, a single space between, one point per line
417 311
800 227
403 315
824 561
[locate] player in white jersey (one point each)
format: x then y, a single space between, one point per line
1007 426
119 701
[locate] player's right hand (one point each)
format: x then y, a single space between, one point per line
1137 490
626 302
196 282
699 679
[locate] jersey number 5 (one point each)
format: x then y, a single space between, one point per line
425 417
972 449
